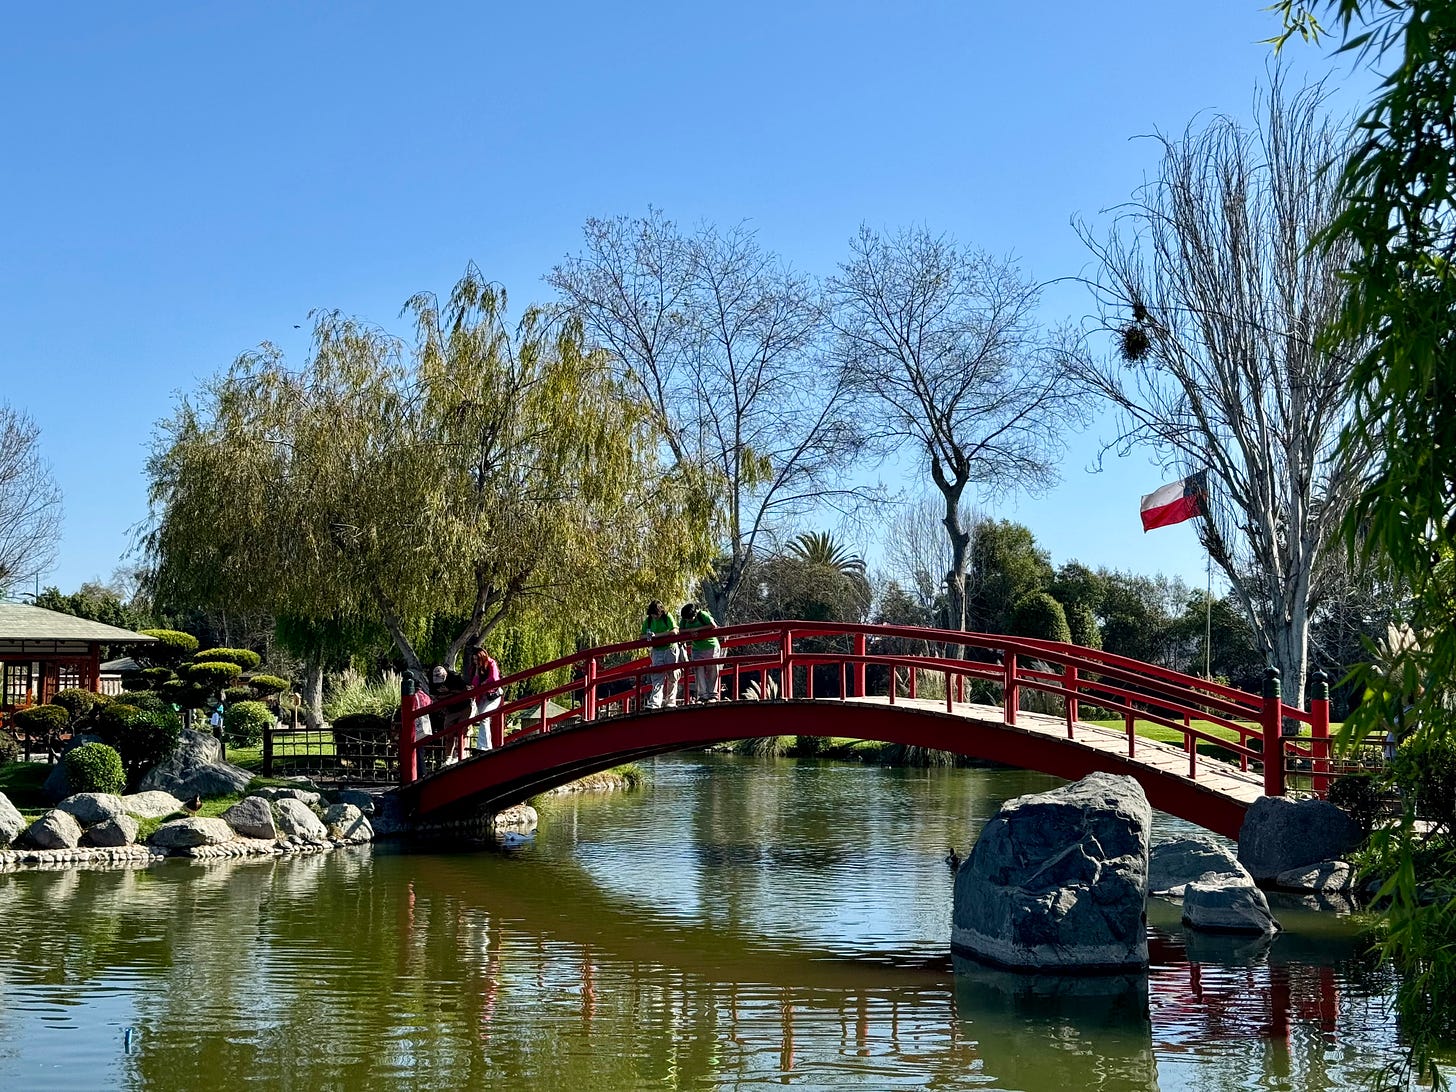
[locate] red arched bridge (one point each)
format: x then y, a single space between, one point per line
1013 700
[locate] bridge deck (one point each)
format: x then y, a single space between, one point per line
1213 774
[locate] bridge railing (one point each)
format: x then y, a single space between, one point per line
800 660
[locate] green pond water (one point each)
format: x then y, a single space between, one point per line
738 924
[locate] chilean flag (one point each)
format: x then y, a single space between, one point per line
1175 502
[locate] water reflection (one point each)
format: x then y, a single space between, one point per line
741 924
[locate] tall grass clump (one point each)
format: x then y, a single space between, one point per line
352 693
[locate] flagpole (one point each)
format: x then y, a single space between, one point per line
1208 623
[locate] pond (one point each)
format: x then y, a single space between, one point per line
740 923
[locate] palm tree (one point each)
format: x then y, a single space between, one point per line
819 548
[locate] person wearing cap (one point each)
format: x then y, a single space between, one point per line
444 683
705 676
659 623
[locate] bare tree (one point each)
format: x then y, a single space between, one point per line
1217 300
30 501
942 348
723 342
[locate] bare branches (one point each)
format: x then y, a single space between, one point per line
30 501
943 352
1216 296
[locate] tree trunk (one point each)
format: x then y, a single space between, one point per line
313 695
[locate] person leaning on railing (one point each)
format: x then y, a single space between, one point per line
481 669
659 623
693 618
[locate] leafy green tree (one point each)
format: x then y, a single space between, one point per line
1006 566
95 602
1040 615
478 470
1400 189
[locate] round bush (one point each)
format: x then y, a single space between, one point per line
234 694
244 723
268 684
1039 615
171 646
77 702
143 737
94 767
217 674
245 658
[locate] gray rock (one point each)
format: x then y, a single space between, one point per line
1058 880
91 808
390 819
1281 834
1219 903
196 768
1175 864
120 830
362 800
1326 877
305 796
252 817
522 818
182 833
11 821
296 818
347 821
150 805
54 830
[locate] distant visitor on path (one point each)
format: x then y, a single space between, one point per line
705 678
659 623
481 669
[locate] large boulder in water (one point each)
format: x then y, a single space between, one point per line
1219 903
1057 881
12 823
196 768
1279 834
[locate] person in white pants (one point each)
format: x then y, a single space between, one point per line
482 670
659 623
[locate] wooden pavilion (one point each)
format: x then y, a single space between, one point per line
45 651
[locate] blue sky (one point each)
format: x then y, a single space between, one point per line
183 182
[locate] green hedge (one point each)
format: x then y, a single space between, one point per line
94 767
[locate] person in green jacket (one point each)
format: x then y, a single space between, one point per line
694 618
658 623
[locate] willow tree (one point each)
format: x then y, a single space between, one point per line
477 471
722 341
1216 298
941 346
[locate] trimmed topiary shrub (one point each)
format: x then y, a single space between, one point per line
214 674
245 658
78 703
1039 615
42 722
243 724
234 694
9 748
143 737
94 767
171 646
268 684
154 677
188 695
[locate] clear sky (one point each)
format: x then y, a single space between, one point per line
184 181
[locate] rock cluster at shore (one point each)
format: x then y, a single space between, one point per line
102 828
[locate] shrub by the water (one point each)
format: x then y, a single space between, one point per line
143 737
245 723
94 767
1361 797
216 674
245 658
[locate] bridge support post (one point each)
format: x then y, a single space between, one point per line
1069 684
786 657
589 697
407 767
1319 724
861 649
1273 735
1010 691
